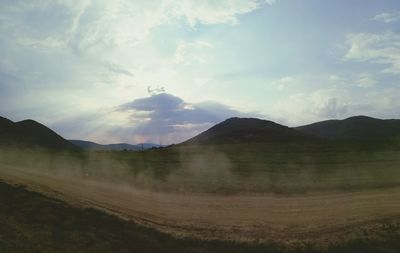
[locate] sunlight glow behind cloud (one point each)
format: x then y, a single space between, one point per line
68 62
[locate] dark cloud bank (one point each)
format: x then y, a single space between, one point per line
161 118
170 118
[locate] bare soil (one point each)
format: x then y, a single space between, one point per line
318 217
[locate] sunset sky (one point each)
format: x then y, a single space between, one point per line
164 70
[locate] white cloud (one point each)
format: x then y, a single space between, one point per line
282 83
304 108
191 52
41 22
124 22
381 48
388 17
96 25
209 11
108 43
202 81
366 81
270 2
336 78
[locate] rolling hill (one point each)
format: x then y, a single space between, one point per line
354 128
29 133
5 124
248 130
88 145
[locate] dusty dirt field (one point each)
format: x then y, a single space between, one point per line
258 217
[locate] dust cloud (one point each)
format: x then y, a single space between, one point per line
213 169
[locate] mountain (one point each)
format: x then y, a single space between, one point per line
88 145
354 128
29 133
248 130
5 125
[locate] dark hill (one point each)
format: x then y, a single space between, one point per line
88 145
354 128
5 125
247 130
29 133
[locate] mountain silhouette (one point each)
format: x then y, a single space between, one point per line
29 133
354 128
5 125
88 145
248 130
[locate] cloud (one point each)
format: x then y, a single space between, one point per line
41 24
332 108
92 25
381 48
96 27
59 49
388 17
158 103
338 103
156 90
160 118
283 82
172 119
191 52
302 108
211 12
366 81
119 70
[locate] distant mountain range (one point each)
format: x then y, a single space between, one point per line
29 133
354 128
88 145
251 130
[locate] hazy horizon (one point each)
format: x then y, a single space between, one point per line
162 71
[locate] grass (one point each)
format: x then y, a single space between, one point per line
288 168
276 167
31 222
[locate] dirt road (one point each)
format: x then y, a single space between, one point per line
237 217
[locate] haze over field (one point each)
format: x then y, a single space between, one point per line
317 190
200 126
161 71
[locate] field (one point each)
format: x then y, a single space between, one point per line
323 196
31 222
282 168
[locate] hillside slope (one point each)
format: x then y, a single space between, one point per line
354 128
29 133
247 130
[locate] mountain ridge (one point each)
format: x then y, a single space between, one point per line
251 130
354 128
89 145
30 133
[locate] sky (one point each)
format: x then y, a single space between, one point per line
162 71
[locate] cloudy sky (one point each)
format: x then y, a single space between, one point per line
163 70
